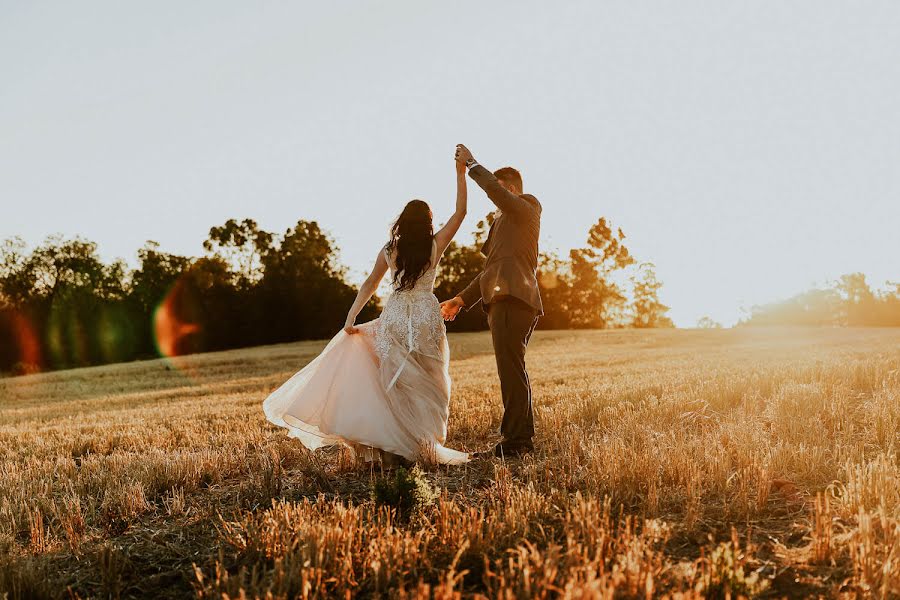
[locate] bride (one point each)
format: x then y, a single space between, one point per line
384 385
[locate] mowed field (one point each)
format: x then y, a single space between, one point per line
681 463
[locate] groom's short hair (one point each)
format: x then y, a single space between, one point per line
510 175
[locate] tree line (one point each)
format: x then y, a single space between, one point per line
848 302
62 306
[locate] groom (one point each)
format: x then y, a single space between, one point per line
508 291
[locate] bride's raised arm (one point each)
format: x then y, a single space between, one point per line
443 237
366 291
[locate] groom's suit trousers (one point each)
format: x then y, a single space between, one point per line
512 322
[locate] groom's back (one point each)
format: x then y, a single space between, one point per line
511 252
516 235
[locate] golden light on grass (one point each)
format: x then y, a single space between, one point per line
702 463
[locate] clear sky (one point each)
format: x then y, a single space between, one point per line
749 149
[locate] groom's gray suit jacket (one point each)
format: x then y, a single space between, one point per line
511 249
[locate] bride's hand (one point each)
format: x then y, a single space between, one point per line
351 329
450 308
460 166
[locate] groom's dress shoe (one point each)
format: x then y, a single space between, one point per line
506 451
513 451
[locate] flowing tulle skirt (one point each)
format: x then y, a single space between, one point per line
348 395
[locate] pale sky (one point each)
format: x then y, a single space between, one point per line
749 149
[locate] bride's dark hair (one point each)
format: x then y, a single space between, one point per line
411 241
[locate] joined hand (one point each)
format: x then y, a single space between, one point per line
460 167
462 154
450 308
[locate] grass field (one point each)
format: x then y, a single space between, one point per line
688 463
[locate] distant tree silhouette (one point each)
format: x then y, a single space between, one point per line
71 300
17 283
157 272
61 305
647 310
304 289
577 293
858 302
595 300
889 305
151 283
848 301
243 245
707 322
555 282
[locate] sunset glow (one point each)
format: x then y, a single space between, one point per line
25 340
173 333
507 299
742 150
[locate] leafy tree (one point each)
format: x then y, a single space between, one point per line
647 310
890 306
60 266
80 296
243 245
555 282
151 284
847 302
596 301
208 309
814 307
858 302
303 287
17 283
157 272
69 297
20 349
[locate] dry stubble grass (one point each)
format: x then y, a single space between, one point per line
687 463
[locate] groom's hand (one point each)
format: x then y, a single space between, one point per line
462 154
450 308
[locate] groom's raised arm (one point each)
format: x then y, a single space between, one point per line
472 294
499 195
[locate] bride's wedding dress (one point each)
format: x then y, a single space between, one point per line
387 387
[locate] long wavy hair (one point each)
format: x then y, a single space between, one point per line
411 241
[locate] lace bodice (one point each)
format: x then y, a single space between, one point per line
412 318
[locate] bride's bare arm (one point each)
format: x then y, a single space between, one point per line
443 237
366 291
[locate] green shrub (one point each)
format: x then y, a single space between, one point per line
407 491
